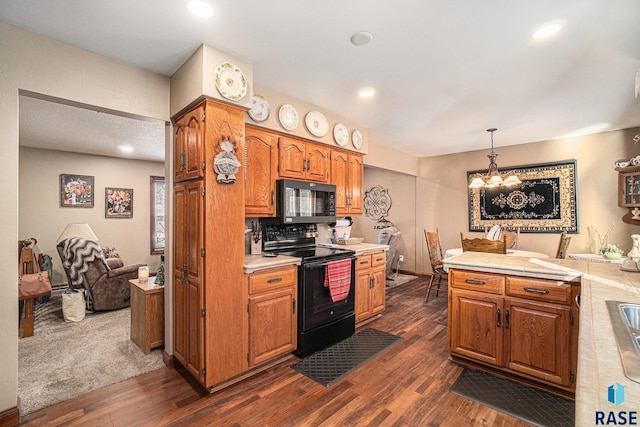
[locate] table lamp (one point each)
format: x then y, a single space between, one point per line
77 230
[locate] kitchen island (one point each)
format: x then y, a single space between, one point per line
599 364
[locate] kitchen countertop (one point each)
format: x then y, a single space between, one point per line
253 263
599 364
360 248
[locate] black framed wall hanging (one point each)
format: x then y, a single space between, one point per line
545 201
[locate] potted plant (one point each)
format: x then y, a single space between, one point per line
611 252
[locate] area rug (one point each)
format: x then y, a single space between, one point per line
330 365
399 279
65 360
530 405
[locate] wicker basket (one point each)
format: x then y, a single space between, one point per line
349 241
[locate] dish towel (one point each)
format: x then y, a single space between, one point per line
338 279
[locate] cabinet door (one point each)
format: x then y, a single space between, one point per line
537 340
179 151
378 291
356 184
475 326
318 163
188 273
194 142
340 178
363 294
261 172
272 324
292 160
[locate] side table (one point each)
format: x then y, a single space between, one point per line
147 314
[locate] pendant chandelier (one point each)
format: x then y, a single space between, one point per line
493 178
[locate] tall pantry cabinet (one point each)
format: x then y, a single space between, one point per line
208 243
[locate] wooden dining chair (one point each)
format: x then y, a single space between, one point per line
435 256
563 245
484 245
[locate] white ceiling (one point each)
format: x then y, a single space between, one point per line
444 70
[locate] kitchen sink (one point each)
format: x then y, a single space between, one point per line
625 319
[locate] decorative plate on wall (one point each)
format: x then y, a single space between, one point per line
230 81
316 123
340 134
288 117
260 110
356 139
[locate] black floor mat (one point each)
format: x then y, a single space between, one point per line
333 363
530 405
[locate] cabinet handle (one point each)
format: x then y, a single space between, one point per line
475 282
372 282
499 317
185 273
275 280
273 201
183 159
536 290
379 259
364 262
506 319
293 306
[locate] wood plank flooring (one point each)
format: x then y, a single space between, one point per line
405 386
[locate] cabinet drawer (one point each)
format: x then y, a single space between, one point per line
272 278
539 289
476 281
378 258
363 262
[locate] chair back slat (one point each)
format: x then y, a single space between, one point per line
435 250
563 245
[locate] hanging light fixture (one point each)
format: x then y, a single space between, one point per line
493 178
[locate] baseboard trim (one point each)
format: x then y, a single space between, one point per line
10 417
167 359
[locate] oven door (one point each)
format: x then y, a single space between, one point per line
316 306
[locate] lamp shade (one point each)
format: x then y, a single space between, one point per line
77 230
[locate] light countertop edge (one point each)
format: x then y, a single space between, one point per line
360 248
253 263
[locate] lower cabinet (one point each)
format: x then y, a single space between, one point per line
272 313
370 285
522 326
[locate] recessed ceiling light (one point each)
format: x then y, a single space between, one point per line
200 8
367 92
125 148
361 38
549 29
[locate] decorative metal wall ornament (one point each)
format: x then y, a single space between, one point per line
225 163
545 201
377 202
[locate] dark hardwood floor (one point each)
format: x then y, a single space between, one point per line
405 386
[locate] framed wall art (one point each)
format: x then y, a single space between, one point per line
157 215
118 202
545 201
76 191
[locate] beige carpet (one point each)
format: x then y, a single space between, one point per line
399 279
65 360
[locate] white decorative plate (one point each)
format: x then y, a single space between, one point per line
340 134
356 139
230 81
316 123
288 117
259 109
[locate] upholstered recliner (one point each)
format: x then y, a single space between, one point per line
106 281
390 236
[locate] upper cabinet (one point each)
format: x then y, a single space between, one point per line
261 158
304 161
347 171
629 187
188 146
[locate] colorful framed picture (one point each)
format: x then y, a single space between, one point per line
76 191
118 202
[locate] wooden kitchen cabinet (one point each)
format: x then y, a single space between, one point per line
347 172
370 298
261 158
524 327
629 187
207 252
272 313
147 314
303 161
188 145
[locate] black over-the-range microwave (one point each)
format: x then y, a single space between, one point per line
303 202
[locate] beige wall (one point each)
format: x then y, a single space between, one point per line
42 217
442 189
37 64
402 190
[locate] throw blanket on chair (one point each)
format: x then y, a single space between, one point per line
78 252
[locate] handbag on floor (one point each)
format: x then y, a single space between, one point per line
31 285
73 305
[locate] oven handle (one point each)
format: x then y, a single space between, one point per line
322 263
